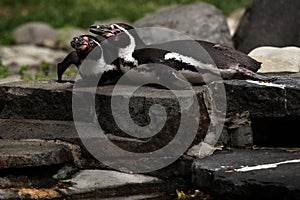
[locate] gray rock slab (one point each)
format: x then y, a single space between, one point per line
104 183
26 153
53 101
250 174
200 21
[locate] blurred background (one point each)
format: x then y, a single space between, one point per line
35 34
78 13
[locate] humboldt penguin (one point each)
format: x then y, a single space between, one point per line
197 67
85 45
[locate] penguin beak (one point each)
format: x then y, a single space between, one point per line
103 30
99 29
77 42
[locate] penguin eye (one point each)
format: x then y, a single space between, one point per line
91 43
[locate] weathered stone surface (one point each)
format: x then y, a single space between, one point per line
52 103
250 174
104 183
52 100
286 59
268 23
200 21
98 184
38 33
26 153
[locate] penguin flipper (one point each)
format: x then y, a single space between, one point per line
71 58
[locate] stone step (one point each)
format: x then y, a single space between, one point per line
53 100
250 174
264 103
32 153
97 184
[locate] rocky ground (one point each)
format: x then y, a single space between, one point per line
46 141
42 156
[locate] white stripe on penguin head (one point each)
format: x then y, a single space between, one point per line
126 52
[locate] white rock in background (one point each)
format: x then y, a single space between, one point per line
276 59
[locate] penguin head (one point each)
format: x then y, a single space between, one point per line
119 34
84 43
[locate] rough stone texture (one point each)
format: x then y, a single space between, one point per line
37 33
20 154
269 23
98 184
52 103
220 173
200 21
286 59
104 181
52 100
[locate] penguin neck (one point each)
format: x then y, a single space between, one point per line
126 53
102 65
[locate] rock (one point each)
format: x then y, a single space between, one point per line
65 172
30 55
249 174
65 35
268 23
53 104
32 153
199 21
274 59
10 79
108 183
37 33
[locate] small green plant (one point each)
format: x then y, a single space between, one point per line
70 72
45 68
23 70
3 70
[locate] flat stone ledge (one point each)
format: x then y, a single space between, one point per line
53 101
97 184
250 174
26 153
104 181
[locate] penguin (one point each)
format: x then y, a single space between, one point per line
85 45
197 69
